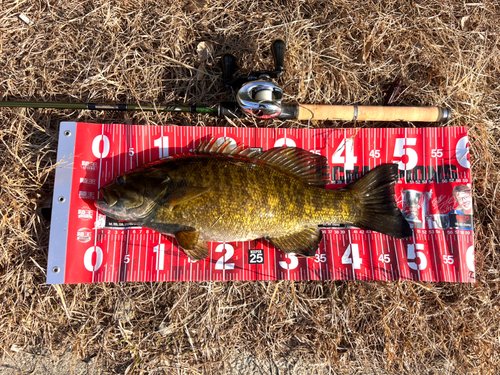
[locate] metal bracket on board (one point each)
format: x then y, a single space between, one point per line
61 200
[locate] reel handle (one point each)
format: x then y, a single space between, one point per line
278 50
229 67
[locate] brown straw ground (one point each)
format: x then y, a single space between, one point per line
338 52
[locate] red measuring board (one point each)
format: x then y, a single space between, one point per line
434 193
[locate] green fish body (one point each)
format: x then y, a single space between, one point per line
226 194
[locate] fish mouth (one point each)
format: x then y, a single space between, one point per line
109 199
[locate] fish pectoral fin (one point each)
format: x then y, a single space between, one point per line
304 242
188 241
185 194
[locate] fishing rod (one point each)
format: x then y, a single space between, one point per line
258 96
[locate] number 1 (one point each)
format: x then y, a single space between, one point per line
160 257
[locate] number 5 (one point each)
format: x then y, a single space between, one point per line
401 149
414 255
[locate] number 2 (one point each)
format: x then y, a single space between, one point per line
222 262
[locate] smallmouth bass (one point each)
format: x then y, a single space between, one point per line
229 193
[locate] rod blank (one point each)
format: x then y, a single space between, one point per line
289 111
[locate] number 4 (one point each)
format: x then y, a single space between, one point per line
356 260
349 159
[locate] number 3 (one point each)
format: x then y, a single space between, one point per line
294 262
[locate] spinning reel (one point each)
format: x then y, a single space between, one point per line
256 94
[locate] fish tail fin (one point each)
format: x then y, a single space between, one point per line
375 194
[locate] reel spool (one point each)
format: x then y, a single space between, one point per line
255 93
261 99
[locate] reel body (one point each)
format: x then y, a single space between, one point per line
256 94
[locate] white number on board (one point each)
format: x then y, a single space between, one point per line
402 148
96 146
469 258
286 142
320 258
222 262
461 152
294 262
89 254
256 258
349 159
448 259
437 153
384 258
162 144
160 256
351 256
413 255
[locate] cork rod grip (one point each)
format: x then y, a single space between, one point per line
371 113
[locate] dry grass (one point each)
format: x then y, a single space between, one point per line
447 54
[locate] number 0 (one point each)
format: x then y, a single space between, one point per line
96 144
89 254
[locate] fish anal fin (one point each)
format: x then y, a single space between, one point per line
304 242
185 194
188 241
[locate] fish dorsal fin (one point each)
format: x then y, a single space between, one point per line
227 147
310 168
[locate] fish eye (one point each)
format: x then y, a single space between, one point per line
120 180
